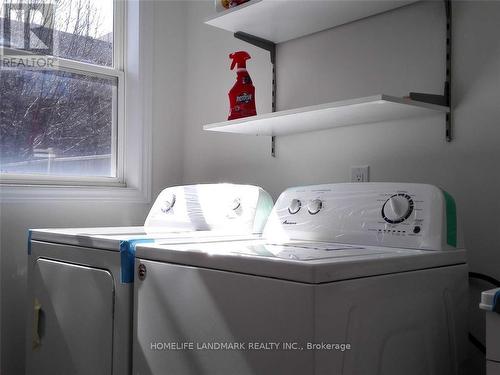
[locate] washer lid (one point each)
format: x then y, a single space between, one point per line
309 262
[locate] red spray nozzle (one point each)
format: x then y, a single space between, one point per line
239 58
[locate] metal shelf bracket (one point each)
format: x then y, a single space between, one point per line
271 47
445 99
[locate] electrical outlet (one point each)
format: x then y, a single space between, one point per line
360 173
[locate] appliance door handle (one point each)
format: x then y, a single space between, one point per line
37 310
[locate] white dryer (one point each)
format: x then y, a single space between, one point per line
354 279
80 279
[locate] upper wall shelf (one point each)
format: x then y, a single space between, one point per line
372 109
279 21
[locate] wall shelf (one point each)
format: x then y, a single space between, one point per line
266 23
280 21
372 109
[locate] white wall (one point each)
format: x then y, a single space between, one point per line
393 53
17 218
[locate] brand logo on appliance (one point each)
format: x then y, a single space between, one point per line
244 98
286 222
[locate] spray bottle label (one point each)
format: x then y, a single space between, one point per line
244 98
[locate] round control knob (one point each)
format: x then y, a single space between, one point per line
236 204
295 206
314 206
168 203
397 208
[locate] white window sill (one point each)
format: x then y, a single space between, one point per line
22 193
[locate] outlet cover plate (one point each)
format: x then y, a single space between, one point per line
360 173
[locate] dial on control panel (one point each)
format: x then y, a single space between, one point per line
397 208
294 206
168 203
314 206
236 204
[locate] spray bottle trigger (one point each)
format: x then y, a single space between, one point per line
239 59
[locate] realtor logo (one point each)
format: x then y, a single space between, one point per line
27 36
28 28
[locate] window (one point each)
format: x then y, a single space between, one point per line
61 90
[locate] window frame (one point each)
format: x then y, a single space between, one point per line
131 32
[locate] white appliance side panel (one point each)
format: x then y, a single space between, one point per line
409 323
75 323
493 336
181 304
492 368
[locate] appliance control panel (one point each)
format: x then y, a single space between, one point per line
236 209
379 214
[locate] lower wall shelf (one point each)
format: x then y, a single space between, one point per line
372 109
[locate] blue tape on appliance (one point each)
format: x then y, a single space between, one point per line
127 257
496 302
29 241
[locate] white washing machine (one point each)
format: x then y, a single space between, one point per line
80 280
355 279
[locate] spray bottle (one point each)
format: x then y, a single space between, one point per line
242 95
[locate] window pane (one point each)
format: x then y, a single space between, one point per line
79 30
57 123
